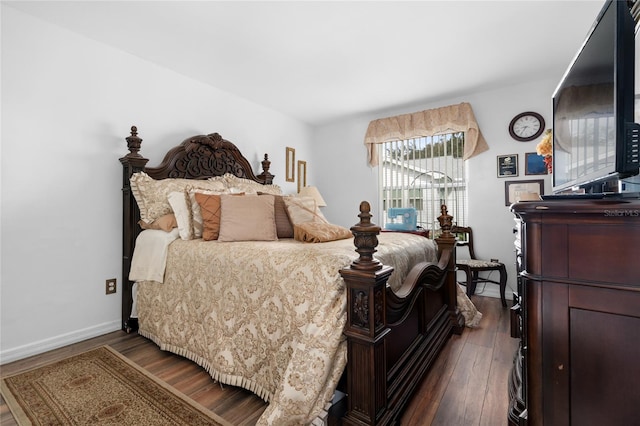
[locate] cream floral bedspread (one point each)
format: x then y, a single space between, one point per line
266 316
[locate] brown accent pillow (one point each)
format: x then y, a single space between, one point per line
165 223
248 218
210 210
283 224
194 215
319 232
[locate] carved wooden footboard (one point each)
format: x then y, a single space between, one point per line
393 338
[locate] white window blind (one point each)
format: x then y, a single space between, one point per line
424 173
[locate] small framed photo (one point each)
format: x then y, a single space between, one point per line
534 164
291 165
302 174
508 165
522 190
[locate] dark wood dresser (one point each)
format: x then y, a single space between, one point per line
577 313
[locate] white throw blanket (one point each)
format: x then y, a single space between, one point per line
150 255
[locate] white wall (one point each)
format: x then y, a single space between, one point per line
341 172
67 105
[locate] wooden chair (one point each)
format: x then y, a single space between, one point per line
473 266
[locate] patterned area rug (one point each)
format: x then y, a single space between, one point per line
99 387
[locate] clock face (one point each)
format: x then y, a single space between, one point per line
526 126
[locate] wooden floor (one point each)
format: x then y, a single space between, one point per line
467 386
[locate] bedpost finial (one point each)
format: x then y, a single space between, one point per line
133 143
365 239
365 213
445 220
266 163
265 176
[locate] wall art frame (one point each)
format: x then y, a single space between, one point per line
513 189
534 164
507 165
290 164
302 174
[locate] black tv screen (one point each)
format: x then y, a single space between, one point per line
593 104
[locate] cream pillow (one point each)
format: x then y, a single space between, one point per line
248 218
248 186
302 210
179 202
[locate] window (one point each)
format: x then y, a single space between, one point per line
424 173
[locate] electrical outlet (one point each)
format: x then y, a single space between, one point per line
111 286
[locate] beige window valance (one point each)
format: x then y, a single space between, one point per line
457 118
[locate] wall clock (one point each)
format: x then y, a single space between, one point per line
526 126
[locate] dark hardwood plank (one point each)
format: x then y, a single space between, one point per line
467 385
461 403
426 401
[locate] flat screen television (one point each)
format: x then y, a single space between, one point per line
595 139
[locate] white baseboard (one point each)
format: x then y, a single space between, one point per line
489 291
493 290
36 348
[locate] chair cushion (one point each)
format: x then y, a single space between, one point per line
477 263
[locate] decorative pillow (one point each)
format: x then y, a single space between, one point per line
165 223
179 202
248 186
283 224
206 214
197 221
210 214
318 232
219 180
188 212
302 210
152 195
249 218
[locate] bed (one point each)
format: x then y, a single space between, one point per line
293 321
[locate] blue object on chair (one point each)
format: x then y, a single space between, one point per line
403 219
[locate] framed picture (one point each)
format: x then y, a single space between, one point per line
508 165
302 174
291 165
534 164
522 190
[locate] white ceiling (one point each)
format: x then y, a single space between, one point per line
320 61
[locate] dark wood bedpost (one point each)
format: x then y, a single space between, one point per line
366 282
265 176
447 251
393 340
131 163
